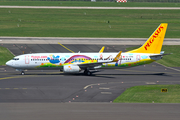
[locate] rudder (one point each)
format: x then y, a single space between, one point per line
154 43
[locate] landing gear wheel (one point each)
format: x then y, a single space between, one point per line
88 73
22 73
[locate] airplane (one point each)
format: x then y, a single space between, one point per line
149 52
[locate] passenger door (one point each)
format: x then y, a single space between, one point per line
27 60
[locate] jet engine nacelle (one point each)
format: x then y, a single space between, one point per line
71 69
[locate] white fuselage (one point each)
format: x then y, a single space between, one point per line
44 61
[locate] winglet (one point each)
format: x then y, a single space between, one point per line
102 49
117 57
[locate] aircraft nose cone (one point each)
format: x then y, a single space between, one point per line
8 63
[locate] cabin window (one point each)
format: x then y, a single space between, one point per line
15 58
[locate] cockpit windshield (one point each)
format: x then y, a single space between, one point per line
15 59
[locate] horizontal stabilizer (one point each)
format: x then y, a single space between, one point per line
160 55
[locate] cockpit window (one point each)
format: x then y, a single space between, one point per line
15 58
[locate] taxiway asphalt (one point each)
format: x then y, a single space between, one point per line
85 41
46 94
102 86
89 111
54 86
18 49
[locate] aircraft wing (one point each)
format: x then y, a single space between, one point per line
96 64
91 65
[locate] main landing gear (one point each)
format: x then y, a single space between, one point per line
87 72
22 72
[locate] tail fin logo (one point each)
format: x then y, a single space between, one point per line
155 35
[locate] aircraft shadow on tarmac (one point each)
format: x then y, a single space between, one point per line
105 75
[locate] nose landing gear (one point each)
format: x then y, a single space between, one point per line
22 72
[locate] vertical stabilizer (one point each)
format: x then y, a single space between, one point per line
154 43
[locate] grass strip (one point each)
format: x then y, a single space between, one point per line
172 60
87 23
5 55
150 94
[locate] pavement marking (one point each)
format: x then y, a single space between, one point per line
93 84
65 47
21 76
169 67
106 92
13 88
150 83
11 52
16 88
9 77
53 73
104 88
